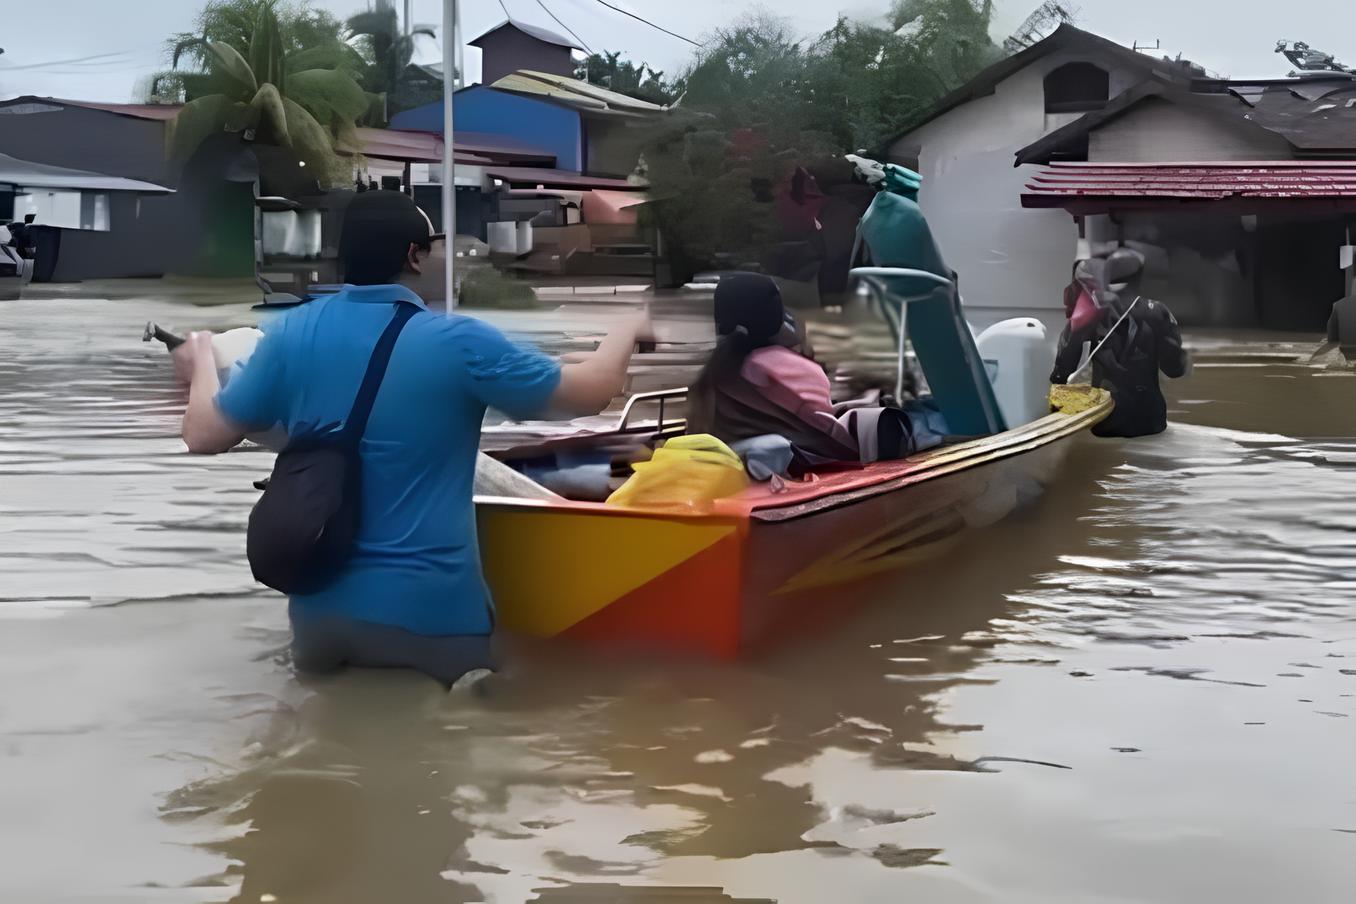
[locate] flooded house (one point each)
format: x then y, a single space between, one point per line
103 205
1239 193
236 206
213 215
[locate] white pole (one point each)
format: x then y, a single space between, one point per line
457 50
408 26
450 39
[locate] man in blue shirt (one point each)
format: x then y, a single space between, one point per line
412 594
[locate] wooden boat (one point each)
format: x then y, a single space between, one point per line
746 570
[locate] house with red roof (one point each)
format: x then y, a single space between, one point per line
1241 194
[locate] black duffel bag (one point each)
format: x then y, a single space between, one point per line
303 527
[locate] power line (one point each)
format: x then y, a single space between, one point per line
562 25
646 21
95 61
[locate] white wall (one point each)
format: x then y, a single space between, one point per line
1007 257
1157 131
52 207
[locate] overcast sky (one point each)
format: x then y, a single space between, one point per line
97 49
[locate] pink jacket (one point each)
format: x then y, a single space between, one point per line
796 384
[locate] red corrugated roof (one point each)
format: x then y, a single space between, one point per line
418 147
1100 185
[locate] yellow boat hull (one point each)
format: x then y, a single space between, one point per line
755 567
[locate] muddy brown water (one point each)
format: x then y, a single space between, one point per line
1142 690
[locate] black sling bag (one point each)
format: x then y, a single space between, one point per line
303 527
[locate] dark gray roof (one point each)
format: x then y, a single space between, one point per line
541 34
1065 37
27 174
1313 122
1317 116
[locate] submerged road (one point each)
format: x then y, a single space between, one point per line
1144 689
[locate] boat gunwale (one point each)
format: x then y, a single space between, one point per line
865 483
938 466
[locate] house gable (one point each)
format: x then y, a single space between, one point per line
1067 44
1157 130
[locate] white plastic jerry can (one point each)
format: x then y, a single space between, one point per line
1018 360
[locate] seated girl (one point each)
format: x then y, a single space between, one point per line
758 383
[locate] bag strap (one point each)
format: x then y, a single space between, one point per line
356 424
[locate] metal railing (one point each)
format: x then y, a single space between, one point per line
876 278
661 396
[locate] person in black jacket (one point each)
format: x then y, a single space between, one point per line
21 236
1138 345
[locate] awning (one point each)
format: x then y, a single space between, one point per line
416 147
618 208
26 174
1084 188
527 177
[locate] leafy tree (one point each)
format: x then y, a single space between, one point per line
950 37
759 101
610 71
265 90
741 128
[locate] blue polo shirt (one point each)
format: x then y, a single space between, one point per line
416 564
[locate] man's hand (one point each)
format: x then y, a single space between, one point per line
185 355
205 431
588 385
640 324
201 341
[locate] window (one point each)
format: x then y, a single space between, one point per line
1076 88
94 210
64 208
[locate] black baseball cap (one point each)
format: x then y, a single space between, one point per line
379 227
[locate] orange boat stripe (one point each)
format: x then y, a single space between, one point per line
550 570
692 608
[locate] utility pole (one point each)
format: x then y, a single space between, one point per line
408 15
451 40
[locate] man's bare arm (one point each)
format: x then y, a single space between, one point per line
587 386
205 430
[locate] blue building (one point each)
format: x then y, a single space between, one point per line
540 123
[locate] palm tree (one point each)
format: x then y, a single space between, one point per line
311 39
389 49
267 94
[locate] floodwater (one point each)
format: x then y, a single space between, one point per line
1142 690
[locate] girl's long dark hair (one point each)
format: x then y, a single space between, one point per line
721 369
